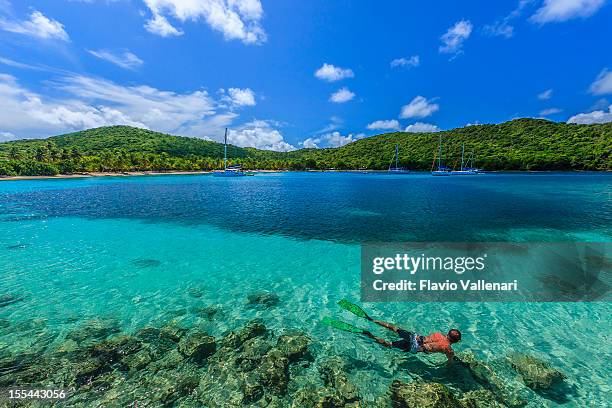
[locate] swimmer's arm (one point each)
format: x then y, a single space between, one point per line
450 355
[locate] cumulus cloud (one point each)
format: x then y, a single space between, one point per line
235 19
550 111
331 73
602 84
159 25
413 61
342 95
259 134
545 95
38 26
563 10
420 127
237 97
88 102
31 115
598 116
419 107
453 39
332 139
124 59
384 125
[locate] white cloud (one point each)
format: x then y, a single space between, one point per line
38 26
241 97
88 102
545 95
6 136
331 73
31 115
452 40
602 84
259 134
503 28
413 61
550 111
236 19
332 139
420 127
563 10
159 25
342 95
124 59
310 143
335 123
384 125
499 29
598 116
419 107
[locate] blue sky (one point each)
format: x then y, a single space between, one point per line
289 74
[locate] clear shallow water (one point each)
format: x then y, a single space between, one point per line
134 249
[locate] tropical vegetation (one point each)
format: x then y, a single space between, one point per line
522 144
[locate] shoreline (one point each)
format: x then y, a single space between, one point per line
187 173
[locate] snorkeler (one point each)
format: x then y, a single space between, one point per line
409 342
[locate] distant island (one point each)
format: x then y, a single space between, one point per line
521 144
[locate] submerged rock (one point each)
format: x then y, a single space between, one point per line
137 361
263 300
486 375
195 292
9 299
16 246
95 329
115 348
274 372
173 331
207 312
334 374
197 346
480 399
294 345
253 329
146 263
422 395
536 374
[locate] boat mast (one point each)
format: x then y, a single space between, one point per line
440 154
462 151
396 155
225 151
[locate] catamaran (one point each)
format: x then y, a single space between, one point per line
396 168
464 170
229 171
442 170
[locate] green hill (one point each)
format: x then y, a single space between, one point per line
522 144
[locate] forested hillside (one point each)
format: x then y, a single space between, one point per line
522 144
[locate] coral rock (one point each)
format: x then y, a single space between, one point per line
197 346
536 374
422 395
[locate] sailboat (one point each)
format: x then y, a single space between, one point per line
464 171
396 168
442 170
228 171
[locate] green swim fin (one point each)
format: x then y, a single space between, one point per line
353 308
337 324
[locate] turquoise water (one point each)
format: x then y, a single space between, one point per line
137 249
